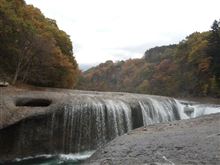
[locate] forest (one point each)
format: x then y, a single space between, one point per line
189 68
33 50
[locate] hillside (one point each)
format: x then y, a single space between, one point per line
190 68
33 49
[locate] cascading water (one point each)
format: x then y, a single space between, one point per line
87 121
197 109
156 111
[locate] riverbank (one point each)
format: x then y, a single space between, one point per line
51 121
185 142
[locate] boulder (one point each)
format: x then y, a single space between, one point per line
4 84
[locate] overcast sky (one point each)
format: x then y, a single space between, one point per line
121 29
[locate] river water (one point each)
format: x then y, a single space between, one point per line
89 121
60 159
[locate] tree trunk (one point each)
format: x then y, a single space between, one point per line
17 72
15 77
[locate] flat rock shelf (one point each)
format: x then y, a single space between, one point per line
186 142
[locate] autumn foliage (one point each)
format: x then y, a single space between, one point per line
190 68
33 49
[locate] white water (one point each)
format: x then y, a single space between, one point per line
77 156
49 159
198 109
93 121
90 121
180 108
157 111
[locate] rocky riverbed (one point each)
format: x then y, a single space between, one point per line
56 121
188 142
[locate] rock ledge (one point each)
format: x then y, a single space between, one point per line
193 141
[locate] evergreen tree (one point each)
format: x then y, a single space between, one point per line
214 50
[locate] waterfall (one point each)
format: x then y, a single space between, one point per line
198 109
89 121
202 109
86 121
157 111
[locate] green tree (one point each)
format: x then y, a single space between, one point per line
214 50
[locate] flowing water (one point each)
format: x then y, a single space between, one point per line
87 122
61 159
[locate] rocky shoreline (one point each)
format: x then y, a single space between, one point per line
186 142
27 127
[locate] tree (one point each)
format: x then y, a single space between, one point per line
190 68
214 50
33 49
